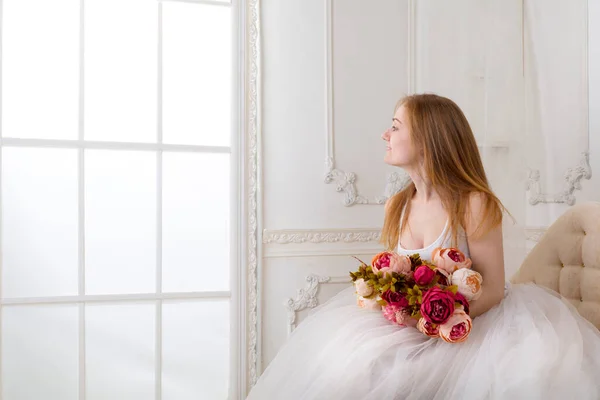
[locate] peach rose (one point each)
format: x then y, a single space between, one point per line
363 288
468 282
388 261
368 304
457 328
428 328
450 259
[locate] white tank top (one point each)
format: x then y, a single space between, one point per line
443 240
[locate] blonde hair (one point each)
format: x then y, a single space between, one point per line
442 136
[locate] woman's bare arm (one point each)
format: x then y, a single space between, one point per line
487 255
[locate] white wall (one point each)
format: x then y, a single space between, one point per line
331 78
304 125
556 103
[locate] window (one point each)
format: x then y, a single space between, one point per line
118 196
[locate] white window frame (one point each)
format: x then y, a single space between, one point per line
237 293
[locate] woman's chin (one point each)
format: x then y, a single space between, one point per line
389 161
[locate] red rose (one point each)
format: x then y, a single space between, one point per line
437 306
395 298
459 298
443 277
424 275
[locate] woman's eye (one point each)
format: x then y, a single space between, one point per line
394 128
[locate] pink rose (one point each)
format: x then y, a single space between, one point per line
381 260
363 288
437 305
395 298
388 261
424 275
407 320
468 282
368 304
457 328
428 328
460 299
400 264
450 259
398 315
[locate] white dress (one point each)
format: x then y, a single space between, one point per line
530 346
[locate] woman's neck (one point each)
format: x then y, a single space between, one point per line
425 192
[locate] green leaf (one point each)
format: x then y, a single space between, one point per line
415 260
453 289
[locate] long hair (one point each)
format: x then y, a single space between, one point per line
442 136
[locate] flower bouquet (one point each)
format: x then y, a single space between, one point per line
431 296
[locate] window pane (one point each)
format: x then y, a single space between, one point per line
119 351
195 350
196 74
40 68
40 352
121 70
196 215
39 222
120 221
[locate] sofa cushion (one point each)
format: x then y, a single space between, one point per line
567 260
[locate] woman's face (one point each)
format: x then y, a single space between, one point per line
400 150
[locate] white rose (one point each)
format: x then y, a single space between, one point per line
369 304
362 288
468 282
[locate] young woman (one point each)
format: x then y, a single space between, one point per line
526 343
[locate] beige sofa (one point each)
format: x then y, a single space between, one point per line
567 260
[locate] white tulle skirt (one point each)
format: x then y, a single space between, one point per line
531 346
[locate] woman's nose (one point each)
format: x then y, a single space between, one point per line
385 135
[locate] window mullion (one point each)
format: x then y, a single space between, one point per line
81 207
159 162
101 145
116 298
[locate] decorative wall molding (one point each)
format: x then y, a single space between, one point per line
307 297
572 179
346 181
534 234
321 242
321 236
252 167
